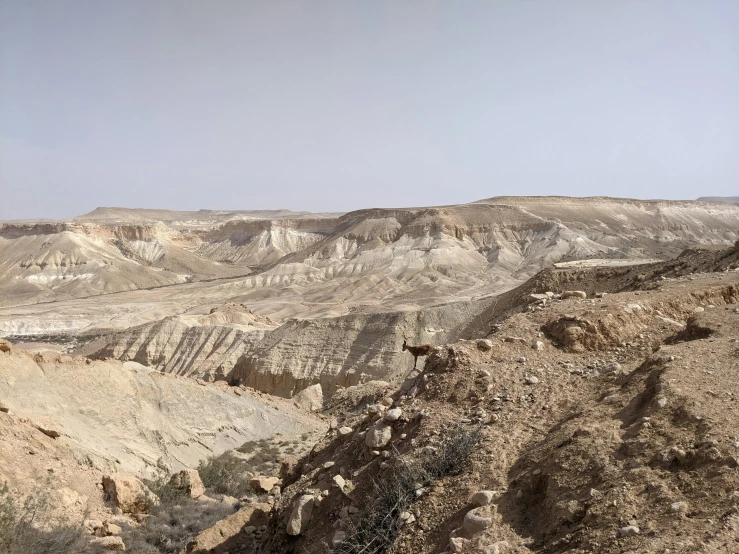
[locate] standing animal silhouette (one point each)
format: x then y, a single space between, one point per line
416 351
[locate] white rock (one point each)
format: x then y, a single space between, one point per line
379 435
485 345
628 531
457 544
300 515
345 431
573 294
482 498
495 548
393 415
339 481
531 380
538 345
679 507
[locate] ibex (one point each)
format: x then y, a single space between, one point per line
416 351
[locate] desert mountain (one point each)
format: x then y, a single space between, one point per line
335 295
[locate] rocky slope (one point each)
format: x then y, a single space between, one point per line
125 417
606 424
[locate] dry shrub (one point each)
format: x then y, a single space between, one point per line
172 524
375 529
30 526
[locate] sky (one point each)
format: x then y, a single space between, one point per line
339 105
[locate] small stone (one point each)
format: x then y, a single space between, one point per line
379 435
458 544
339 481
679 507
48 430
485 345
495 548
531 380
522 360
393 415
475 522
628 531
615 366
661 402
345 431
538 345
573 294
482 498
4 408
109 543
338 538
111 529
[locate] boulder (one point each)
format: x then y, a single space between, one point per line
129 494
345 431
108 543
310 398
300 515
262 483
226 529
110 529
379 435
188 481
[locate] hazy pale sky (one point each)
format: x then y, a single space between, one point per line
338 105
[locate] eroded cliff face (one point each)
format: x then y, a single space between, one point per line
340 292
204 347
347 350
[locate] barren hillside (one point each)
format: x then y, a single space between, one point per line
340 293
